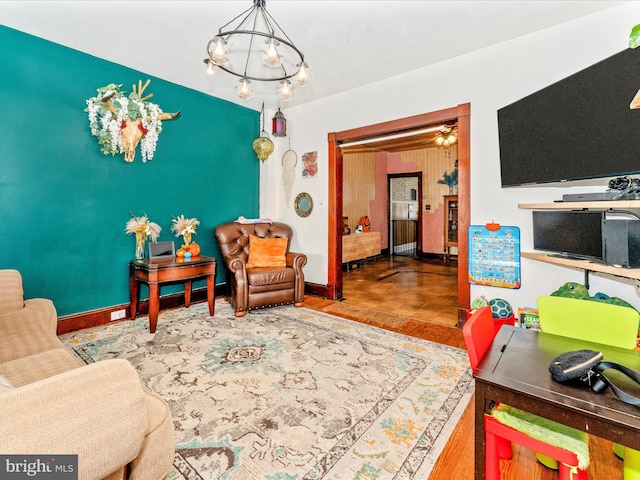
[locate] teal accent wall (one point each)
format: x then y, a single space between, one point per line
64 205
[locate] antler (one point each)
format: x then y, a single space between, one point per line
162 116
169 116
132 131
141 89
108 104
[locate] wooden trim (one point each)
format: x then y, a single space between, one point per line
316 290
461 113
396 126
464 208
334 284
95 318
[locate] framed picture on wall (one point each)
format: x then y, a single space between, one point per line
309 164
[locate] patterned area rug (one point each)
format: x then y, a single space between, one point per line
289 393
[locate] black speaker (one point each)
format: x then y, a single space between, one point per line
621 242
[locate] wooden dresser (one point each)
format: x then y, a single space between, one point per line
359 246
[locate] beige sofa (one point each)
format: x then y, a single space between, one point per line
56 405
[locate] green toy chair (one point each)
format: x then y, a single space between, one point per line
597 322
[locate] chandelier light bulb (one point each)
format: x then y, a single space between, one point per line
218 50
271 56
446 138
244 89
210 67
284 90
303 75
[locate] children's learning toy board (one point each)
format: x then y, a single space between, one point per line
494 255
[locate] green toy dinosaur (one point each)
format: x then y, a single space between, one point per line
576 290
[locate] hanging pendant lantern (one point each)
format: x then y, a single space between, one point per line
263 146
279 125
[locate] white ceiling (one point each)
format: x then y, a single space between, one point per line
346 43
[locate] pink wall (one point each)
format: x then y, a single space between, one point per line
432 220
433 228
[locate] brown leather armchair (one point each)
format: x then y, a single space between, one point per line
259 287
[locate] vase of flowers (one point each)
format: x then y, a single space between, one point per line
142 228
185 227
140 243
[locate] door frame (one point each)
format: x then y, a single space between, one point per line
461 114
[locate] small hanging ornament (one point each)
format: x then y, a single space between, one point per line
279 125
289 162
263 146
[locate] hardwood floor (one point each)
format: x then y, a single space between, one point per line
397 295
428 288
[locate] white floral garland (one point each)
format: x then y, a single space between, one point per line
107 128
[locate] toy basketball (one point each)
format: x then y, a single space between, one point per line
365 224
500 308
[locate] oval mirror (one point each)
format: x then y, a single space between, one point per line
303 204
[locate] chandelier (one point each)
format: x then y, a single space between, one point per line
257 49
447 137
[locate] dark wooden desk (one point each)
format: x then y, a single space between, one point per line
515 372
162 271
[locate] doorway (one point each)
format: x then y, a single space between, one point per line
460 114
405 213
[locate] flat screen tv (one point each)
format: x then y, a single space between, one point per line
578 128
571 234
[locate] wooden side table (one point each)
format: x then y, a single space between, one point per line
167 270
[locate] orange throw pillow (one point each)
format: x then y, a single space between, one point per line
267 252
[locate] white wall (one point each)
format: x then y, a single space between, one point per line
487 79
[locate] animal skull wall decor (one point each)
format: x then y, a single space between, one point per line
121 123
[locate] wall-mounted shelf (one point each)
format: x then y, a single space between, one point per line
584 265
602 205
